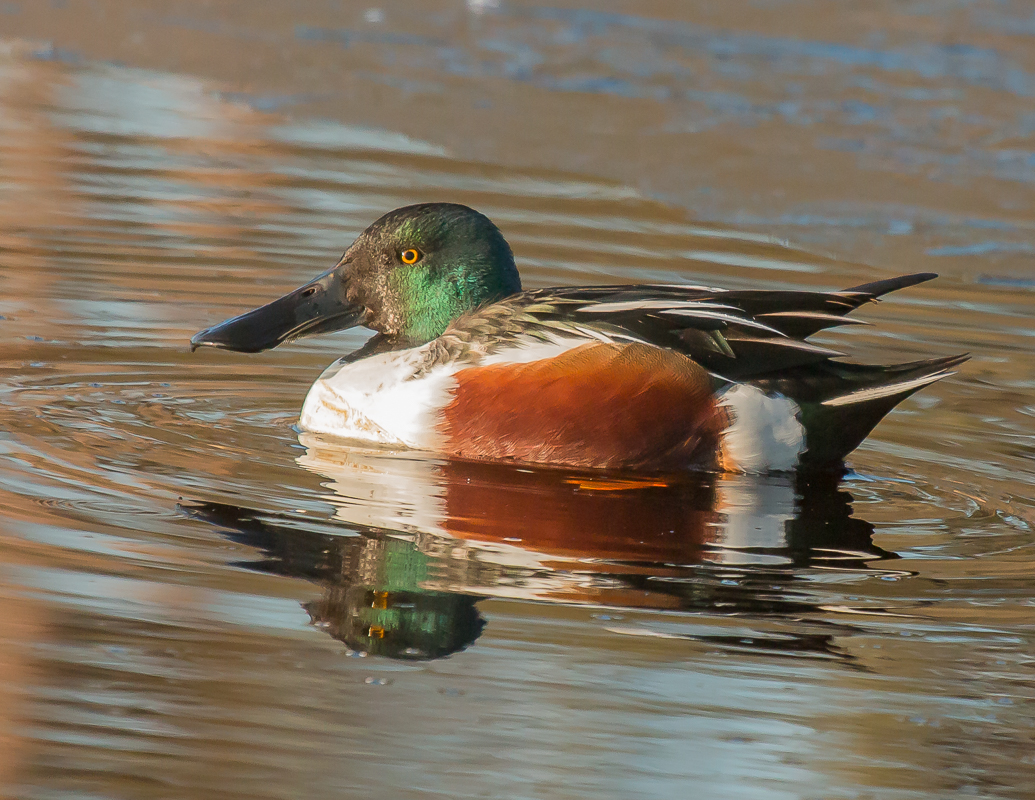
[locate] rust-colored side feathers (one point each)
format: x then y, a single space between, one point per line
598 405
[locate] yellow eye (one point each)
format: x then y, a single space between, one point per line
410 255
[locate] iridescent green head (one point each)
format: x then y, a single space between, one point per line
418 268
407 276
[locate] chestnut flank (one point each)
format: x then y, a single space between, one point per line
615 406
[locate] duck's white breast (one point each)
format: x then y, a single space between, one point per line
378 399
395 399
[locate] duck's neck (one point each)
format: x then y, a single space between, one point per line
431 301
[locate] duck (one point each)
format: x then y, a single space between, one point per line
464 364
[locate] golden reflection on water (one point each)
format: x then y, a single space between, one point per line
173 557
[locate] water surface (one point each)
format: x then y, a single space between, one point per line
198 602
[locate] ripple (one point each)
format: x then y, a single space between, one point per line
186 578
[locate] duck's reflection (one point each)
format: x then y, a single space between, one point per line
414 544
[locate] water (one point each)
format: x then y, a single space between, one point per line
197 602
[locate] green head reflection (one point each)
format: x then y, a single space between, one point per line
379 606
375 594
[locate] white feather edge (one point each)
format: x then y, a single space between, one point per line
651 305
793 344
816 315
690 286
746 322
878 392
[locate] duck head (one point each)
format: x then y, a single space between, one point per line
407 276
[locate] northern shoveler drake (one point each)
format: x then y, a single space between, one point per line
645 377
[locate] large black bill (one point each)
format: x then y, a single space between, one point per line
317 307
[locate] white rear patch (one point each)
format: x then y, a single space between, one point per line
765 436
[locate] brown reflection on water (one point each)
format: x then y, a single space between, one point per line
402 582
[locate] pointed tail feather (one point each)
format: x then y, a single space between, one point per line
899 389
879 288
801 314
837 424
